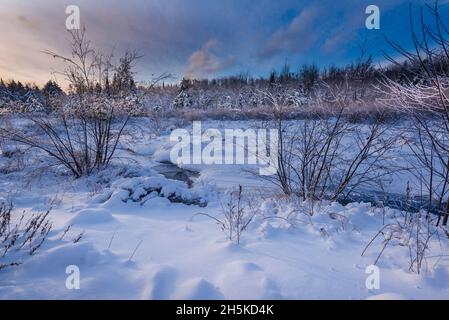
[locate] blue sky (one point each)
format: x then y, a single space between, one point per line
203 38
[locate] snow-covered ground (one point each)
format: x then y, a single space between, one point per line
138 243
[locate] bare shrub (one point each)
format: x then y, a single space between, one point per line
411 230
326 157
423 94
80 140
21 234
83 132
237 214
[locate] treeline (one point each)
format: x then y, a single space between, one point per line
28 97
359 85
309 75
110 82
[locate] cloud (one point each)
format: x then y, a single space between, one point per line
298 37
175 36
203 63
339 38
346 25
166 32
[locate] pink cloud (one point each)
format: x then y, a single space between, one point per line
204 62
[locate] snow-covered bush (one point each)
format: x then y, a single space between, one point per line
33 102
182 100
297 98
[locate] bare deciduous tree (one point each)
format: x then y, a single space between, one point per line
424 95
85 128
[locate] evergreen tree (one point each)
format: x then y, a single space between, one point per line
51 88
123 79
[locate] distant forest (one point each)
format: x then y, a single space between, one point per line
361 83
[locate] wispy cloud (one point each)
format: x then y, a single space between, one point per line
297 37
203 63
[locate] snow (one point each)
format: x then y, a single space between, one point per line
139 243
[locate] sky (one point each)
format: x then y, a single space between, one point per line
202 38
